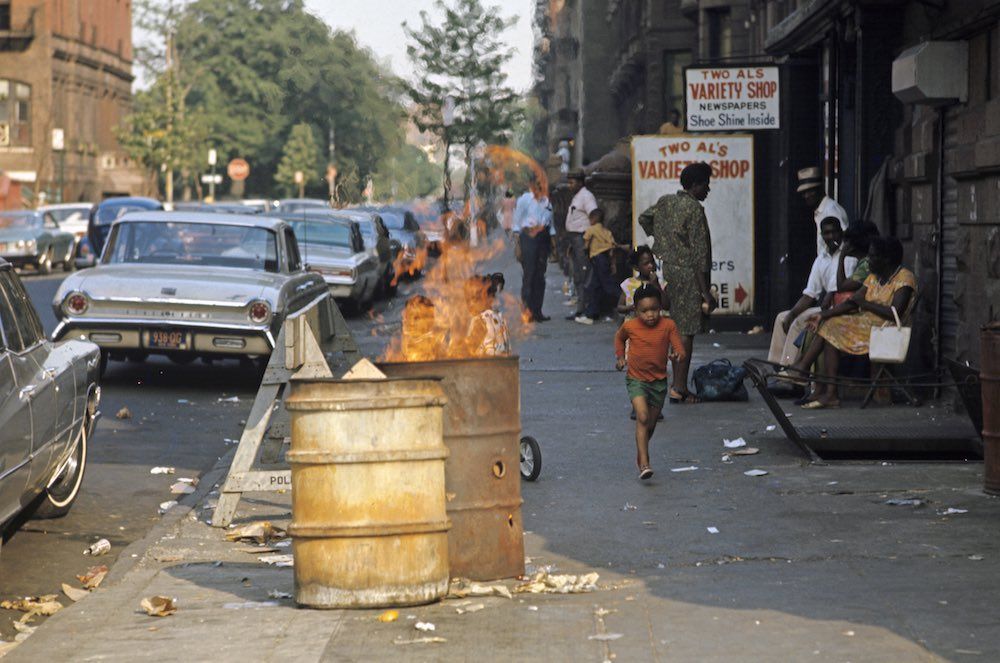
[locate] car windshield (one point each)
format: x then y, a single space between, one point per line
69 214
19 220
319 232
202 244
110 213
393 220
299 205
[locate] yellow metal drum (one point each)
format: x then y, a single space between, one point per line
369 526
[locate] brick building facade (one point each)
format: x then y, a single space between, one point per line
64 65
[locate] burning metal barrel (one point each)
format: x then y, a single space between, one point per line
990 381
369 527
482 427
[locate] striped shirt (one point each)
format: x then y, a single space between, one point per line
648 347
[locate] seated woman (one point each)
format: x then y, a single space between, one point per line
847 327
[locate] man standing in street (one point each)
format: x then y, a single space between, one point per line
533 233
822 206
577 222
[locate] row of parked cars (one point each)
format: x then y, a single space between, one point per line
211 282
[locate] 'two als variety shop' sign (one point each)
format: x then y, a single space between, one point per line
732 98
657 162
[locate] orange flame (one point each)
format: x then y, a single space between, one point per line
439 323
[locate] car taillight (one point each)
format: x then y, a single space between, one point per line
260 312
75 303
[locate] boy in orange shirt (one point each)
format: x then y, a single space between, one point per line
652 341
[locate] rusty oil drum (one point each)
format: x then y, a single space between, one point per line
369 527
989 379
482 428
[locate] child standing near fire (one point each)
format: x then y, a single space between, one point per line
652 341
487 335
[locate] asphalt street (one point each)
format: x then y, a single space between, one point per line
179 419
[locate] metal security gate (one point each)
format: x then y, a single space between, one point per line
949 320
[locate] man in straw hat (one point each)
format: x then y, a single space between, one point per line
813 193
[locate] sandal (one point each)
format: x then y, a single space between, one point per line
645 472
820 405
687 397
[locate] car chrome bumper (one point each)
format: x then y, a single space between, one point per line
202 338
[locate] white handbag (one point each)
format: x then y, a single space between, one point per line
888 344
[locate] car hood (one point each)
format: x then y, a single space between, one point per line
17 234
157 282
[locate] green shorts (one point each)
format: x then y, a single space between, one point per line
654 392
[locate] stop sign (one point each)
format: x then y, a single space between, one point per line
238 169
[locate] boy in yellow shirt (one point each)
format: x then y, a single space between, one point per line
601 287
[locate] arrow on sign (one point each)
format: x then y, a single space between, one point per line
740 295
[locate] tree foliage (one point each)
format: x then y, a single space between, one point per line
301 154
462 57
406 175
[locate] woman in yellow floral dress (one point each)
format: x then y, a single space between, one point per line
847 327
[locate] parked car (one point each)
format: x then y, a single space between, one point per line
71 217
257 205
49 396
334 249
432 227
186 284
32 237
403 228
379 244
102 216
299 204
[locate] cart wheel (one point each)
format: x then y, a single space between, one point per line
531 458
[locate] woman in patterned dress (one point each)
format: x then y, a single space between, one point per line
682 242
847 327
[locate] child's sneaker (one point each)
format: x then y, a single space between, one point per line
584 320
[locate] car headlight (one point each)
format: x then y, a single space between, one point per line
75 303
259 312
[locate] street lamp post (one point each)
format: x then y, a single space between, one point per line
212 158
447 119
59 145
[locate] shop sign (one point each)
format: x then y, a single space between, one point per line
732 98
657 162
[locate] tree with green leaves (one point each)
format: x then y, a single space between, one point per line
405 175
301 155
462 57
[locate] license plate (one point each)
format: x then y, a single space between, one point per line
167 340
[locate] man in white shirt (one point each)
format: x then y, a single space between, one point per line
533 232
822 205
820 287
577 222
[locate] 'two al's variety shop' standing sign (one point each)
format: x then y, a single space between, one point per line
657 162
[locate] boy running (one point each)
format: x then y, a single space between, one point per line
652 340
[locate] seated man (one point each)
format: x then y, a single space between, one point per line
820 287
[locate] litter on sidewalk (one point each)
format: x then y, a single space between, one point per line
544 583
734 444
35 605
259 532
424 626
158 606
951 511
462 587
100 547
755 473
93 577
689 468
905 501
280 561
74 594
123 413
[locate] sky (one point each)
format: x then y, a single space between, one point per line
377 25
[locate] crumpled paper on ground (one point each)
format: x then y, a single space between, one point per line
545 583
158 606
93 577
74 593
462 587
259 532
35 605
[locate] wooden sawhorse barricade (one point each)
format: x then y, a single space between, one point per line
307 346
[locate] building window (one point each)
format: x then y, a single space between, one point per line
15 113
674 63
4 15
720 33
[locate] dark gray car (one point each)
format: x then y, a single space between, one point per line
49 395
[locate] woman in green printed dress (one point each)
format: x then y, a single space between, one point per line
682 242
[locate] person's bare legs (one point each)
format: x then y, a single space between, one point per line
827 393
810 356
645 425
682 366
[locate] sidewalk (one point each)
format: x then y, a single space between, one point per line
809 563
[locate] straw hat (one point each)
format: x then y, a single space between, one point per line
810 178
